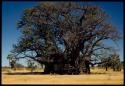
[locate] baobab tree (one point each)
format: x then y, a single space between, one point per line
60 34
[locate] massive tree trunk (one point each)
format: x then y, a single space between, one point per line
56 65
49 68
46 69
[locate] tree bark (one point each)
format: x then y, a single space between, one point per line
47 69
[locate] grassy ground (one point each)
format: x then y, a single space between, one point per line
98 76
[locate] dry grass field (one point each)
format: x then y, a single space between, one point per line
98 76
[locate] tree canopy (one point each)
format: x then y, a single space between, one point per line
69 30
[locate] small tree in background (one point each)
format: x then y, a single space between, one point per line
106 63
112 61
31 65
12 61
116 63
19 65
122 65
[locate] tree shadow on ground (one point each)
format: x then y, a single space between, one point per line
99 73
25 73
42 73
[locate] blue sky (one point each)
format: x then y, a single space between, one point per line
12 12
